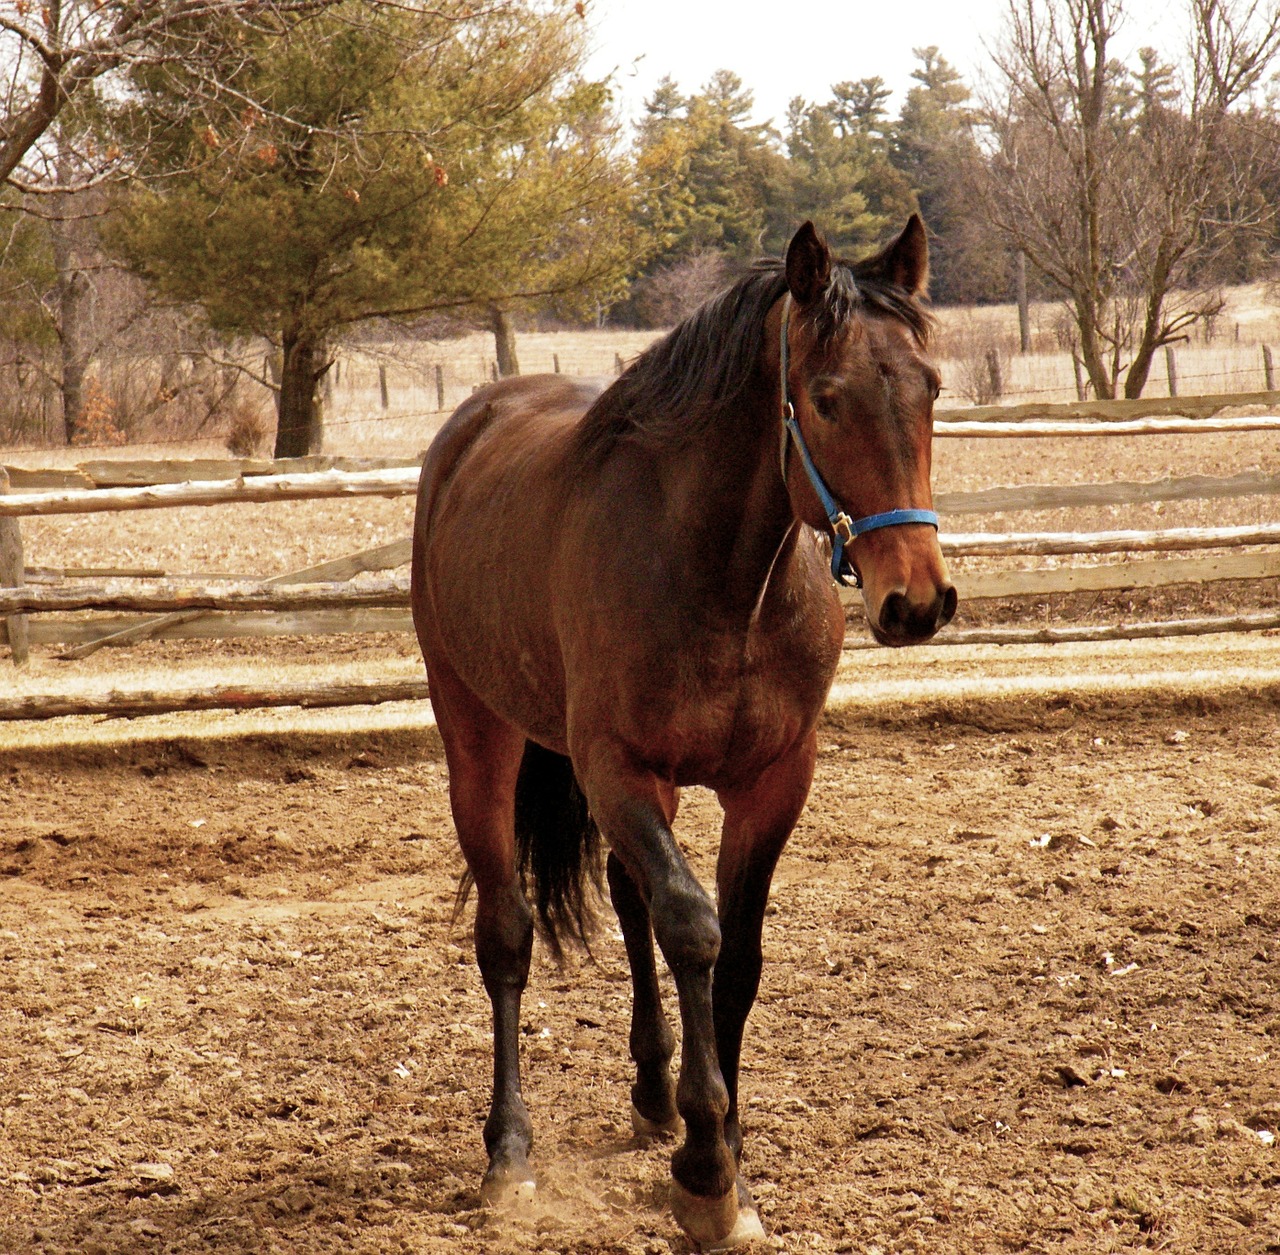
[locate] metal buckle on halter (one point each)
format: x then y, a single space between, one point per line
842 525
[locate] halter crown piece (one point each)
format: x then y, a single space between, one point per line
843 528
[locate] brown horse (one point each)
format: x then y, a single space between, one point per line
619 593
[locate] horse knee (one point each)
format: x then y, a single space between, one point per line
686 927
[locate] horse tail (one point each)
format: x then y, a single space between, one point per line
558 848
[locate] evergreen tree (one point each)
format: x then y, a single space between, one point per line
934 149
711 179
841 174
406 160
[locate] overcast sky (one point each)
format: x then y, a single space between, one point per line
792 48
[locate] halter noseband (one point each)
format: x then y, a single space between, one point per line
843 528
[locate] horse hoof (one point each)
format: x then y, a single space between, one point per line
747 1228
709 1222
507 1190
642 1126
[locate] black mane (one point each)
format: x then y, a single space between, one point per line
697 375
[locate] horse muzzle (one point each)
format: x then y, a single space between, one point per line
904 620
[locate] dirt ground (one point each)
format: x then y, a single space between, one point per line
1022 982
1021 994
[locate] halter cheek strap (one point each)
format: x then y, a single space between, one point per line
843 528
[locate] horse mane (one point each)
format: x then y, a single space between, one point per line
697 376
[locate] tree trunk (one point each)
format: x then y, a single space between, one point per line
1091 350
504 339
1024 306
74 314
299 427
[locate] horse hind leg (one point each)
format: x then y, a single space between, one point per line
484 756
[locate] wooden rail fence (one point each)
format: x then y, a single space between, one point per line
321 599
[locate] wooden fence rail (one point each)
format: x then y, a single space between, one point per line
995 429
315 600
1120 492
987 544
144 472
1201 407
129 704
397 482
311 486
111 630
314 695
282 597
169 597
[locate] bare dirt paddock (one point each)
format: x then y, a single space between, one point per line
1022 987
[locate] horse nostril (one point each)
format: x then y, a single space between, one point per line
894 613
949 602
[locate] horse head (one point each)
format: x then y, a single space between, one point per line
857 397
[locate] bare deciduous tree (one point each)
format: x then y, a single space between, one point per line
1121 185
674 291
53 51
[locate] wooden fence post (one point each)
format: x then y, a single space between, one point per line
1268 369
555 363
995 379
1171 369
382 387
11 576
439 386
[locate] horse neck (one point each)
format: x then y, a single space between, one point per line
726 492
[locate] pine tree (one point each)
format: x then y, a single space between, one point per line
411 160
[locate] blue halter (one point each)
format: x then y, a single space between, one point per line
843 528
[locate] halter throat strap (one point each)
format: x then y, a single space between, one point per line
843 528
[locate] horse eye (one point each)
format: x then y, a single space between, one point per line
825 407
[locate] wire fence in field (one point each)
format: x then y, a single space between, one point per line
390 398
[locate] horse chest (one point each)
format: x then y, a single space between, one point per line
723 710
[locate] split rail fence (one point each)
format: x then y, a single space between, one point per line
323 599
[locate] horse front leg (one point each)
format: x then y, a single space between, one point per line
653 1096
628 805
757 822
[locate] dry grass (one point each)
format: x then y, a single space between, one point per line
1224 358
357 423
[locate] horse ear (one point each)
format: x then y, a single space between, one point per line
904 263
808 264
